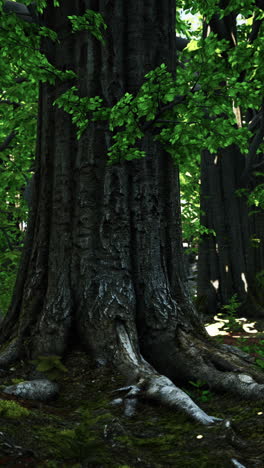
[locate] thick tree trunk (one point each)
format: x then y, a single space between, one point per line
103 258
228 262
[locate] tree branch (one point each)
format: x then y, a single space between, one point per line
11 103
21 79
7 141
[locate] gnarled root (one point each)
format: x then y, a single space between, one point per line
150 384
160 388
223 369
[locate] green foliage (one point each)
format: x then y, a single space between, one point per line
209 7
51 366
257 349
187 120
82 109
256 196
183 28
41 4
260 362
17 381
23 66
202 388
20 47
192 229
9 261
230 314
233 305
255 242
192 131
11 409
260 278
90 21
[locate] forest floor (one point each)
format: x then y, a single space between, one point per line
81 429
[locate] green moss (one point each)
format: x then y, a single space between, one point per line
81 429
83 442
240 412
17 381
11 409
51 366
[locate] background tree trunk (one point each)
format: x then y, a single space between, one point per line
229 262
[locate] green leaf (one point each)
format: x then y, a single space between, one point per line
260 363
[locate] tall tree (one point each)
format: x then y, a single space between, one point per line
102 263
231 262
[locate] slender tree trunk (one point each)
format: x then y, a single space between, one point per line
103 258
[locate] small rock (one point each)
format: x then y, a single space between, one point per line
40 389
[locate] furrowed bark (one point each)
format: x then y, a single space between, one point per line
103 265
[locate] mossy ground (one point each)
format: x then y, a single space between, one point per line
82 429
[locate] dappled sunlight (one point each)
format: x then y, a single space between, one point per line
244 281
215 328
250 327
215 284
216 159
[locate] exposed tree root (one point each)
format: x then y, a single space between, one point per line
237 464
223 369
160 388
150 384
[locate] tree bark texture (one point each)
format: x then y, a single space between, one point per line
228 262
102 263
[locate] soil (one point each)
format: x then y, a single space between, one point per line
82 429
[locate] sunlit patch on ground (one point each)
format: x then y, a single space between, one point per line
215 328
